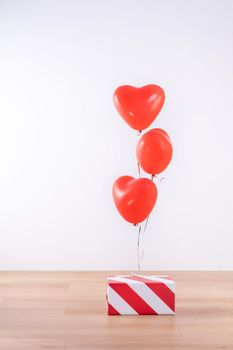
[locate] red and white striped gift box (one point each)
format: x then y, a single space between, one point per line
140 295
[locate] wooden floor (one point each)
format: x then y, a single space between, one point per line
66 310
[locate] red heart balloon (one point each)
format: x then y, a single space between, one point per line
139 106
154 151
134 198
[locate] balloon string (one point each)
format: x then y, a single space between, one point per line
140 251
138 248
145 227
139 171
147 219
160 179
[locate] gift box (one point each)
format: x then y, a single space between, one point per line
140 295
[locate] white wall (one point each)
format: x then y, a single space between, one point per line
62 143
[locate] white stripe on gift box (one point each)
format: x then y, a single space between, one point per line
119 304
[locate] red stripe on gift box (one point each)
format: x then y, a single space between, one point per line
159 288
133 299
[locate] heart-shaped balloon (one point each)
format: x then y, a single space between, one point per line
154 151
139 106
134 198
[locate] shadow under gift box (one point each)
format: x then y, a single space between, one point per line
140 295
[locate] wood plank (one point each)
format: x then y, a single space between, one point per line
67 310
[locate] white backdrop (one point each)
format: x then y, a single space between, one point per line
62 144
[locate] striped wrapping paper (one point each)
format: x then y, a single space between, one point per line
140 295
